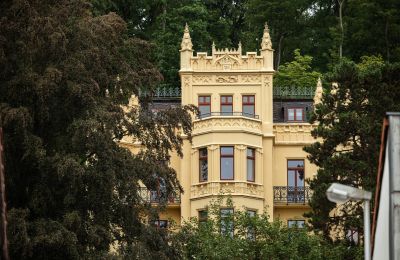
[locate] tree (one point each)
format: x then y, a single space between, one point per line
349 125
66 80
285 19
297 72
252 237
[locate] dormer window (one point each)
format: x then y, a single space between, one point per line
295 114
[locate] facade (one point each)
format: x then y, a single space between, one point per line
386 215
248 139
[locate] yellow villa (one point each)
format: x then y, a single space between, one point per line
248 140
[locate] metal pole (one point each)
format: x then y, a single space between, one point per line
367 230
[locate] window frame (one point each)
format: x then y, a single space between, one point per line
201 219
296 221
296 171
231 221
225 103
253 159
205 103
156 223
251 232
203 158
295 114
227 156
248 103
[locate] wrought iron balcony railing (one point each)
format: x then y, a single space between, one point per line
292 194
164 91
160 196
202 116
294 92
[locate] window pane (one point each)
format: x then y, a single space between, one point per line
251 213
250 152
291 178
203 214
295 164
163 223
204 111
208 99
226 168
203 170
248 109
251 99
299 114
203 152
291 114
226 150
226 222
250 170
226 109
300 178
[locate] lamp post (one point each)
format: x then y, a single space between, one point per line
340 193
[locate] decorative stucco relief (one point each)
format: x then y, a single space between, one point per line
228 123
233 188
223 79
293 133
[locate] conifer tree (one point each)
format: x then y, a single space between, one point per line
349 125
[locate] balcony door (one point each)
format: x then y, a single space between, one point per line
295 181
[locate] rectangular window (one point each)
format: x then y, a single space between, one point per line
251 233
295 114
205 106
203 164
227 160
296 223
251 164
226 105
295 177
248 107
160 223
203 216
227 222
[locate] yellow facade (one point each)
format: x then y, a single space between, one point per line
227 72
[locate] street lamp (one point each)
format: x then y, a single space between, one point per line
340 193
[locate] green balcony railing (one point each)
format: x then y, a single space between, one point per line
294 92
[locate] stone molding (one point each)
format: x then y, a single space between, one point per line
224 79
292 133
225 123
234 188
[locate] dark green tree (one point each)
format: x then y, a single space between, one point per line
349 125
66 79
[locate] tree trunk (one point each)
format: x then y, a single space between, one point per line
387 39
278 58
341 2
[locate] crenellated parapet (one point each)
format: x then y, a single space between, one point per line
226 59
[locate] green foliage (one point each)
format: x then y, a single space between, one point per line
66 80
349 126
255 237
297 72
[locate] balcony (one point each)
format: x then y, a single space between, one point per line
292 195
230 114
227 122
294 92
159 196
